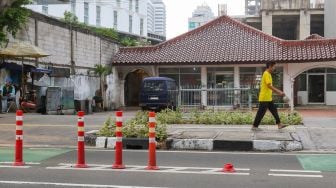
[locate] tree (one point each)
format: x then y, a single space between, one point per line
128 42
102 70
70 18
12 17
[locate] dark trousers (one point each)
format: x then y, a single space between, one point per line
263 106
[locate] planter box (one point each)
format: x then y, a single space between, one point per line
128 143
135 143
101 142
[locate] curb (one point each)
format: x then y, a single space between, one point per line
205 144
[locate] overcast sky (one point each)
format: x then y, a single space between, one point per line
178 12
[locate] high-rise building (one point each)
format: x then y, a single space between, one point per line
156 17
222 9
137 17
200 16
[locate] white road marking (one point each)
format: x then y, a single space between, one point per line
291 173
68 184
28 163
11 166
297 175
304 171
162 169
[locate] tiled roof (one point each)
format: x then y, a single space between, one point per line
227 41
314 37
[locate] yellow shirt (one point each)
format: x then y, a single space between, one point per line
265 94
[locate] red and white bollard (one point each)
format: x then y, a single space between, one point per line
19 139
81 149
118 148
152 143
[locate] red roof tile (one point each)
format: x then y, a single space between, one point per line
227 41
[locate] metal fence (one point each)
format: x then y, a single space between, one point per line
215 97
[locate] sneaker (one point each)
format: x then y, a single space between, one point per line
256 129
281 126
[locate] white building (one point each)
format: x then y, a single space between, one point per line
222 9
202 15
159 17
137 17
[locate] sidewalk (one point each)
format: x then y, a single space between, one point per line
316 134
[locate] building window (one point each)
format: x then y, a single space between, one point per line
331 82
302 82
192 25
73 7
118 3
185 77
220 77
331 79
45 9
130 23
115 19
136 5
130 5
86 12
141 26
98 15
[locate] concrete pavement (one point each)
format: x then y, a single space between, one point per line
316 134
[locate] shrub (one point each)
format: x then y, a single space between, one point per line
239 118
134 128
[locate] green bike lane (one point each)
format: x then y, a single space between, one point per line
36 155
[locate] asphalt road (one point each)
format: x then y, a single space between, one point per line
177 169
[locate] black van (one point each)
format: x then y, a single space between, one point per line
157 93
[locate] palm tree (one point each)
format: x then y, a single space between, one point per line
101 70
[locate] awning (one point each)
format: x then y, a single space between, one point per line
16 67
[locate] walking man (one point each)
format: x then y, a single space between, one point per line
265 98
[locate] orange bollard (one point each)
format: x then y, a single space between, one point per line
118 148
19 139
81 149
152 143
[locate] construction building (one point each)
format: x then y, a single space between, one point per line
291 19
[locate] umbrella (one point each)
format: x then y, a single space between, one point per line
22 49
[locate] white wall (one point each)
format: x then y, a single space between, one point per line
329 19
331 98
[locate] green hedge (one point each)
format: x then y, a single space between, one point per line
138 126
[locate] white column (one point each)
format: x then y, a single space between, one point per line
236 79
267 22
304 24
204 85
288 85
236 82
122 92
292 95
